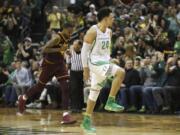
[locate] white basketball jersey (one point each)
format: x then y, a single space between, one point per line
100 52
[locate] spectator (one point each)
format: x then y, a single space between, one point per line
10 92
26 18
10 24
118 49
148 79
79 20
54 19
131 78
130 50
18 17
146 70
21 79
171 82
3 79
177 44
91 17
6 48
155 80
171 93
137 63
174 27
25 50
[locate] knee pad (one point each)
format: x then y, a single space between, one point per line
94 95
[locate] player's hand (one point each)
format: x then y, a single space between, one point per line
115 61
86 74
63 48
67 52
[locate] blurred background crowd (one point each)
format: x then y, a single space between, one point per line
145 41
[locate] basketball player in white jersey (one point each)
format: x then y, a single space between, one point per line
96 59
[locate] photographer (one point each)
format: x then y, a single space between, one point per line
25 50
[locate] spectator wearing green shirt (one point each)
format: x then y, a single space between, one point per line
6 48
177 44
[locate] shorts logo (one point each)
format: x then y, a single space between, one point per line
105 68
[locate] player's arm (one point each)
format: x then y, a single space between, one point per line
87 45
48 48
111 33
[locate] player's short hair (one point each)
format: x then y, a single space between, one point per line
103 12
68 25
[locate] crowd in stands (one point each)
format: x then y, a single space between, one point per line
145 41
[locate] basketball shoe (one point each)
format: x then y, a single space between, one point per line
67 118
87 124
111 105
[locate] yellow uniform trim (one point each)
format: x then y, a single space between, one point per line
49 62
60 77
42 82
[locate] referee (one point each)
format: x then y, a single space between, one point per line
76 76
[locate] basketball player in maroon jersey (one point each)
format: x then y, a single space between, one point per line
53 65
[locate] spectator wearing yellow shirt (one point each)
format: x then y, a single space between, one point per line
54 19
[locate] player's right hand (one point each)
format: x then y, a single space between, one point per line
86 74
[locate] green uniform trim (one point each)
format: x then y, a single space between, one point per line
99 63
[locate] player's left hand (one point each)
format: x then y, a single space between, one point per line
63 48
115 61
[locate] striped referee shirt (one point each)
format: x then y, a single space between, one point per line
75 61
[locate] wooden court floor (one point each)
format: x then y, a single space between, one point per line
47 122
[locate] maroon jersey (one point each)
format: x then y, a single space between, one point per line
55 58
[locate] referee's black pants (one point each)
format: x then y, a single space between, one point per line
76 89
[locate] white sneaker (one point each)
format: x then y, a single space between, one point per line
31 105
38 105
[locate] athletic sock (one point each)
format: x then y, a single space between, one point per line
24 97
111 99
86 114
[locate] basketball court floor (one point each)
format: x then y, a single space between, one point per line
47 122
